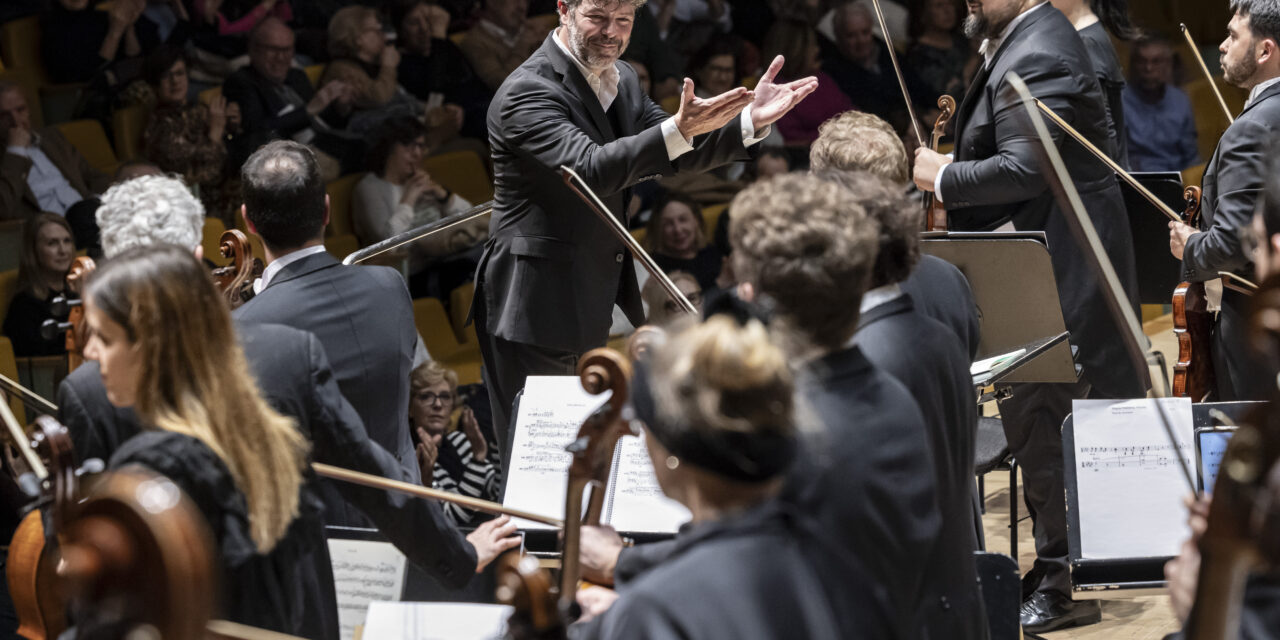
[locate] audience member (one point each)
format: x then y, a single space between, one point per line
642 76
232 17
772 161
940 57
662 309
397 195
1162 127
457 460
798 44
677 242
77 40
665 64
40 170
436 71
277 101
501 39
186 137
687 25
714 68
135 168
363 61
47 252
860 65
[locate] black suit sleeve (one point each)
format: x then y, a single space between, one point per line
254 113
1242 154
417 527
73 414
1013 174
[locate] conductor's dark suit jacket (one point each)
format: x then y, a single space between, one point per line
1231 186
364 318
997 175
935 369
294 376
551 270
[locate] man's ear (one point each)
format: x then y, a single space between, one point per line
1268 50
199 252
563 10
747 291
247 222
326 210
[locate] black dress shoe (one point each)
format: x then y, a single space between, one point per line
1031 581
1050 610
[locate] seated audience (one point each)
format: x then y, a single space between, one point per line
231 17
940 57
501 40
77 40
186 137
677 242
364 63
436 71
1157 114
859 64
47 252
397 195
687 25
714 68
662 309
798 44
277 101
458 460
41 170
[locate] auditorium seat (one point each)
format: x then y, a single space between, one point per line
340 205
1193 176
436 330
213 230
9 367
127 125
462 172
1211 122
459 308
10 243
340 246
314 72
8 287
710 217
91 141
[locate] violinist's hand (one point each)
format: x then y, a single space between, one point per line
1183 571
697 116
598 549
1178 234
772 100
491 539
595 601
928 164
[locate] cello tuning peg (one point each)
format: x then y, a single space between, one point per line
92 466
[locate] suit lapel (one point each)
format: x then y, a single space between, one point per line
577 85
983 76
309 264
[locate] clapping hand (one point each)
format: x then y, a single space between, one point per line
698 116
772 100
471 428
427 451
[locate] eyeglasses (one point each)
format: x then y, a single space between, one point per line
428 397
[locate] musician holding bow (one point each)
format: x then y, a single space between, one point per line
996 176
1232 180
551 272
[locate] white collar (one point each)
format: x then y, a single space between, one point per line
603 84
991 45
1259 88
880 295
282 262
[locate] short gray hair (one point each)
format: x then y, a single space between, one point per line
574 4
149 210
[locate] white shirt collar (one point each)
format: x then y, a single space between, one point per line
603 84
1257 90
282 262
879 296
991 45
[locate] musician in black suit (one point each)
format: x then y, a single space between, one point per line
1232 180
924 355
552 271
294 376
997 176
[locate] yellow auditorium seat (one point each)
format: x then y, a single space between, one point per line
1211 122
434 327
340 246
9 367
91 141
127 125
340 205
313 73
462 172
207 96
710 216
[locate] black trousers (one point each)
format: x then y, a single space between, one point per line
1241 376
506 365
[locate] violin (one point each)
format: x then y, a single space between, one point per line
74 327
236 279
1193 374
935 212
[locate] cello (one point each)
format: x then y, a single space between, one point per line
236 279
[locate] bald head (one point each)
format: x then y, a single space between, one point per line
852 25
271 49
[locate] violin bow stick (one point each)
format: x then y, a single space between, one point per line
1060 181
21 441
27 396
1195 51
1124 175
897 69
580 187
376 482
418 233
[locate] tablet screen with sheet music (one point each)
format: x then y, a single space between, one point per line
1211 444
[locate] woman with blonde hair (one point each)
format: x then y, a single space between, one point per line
165 345
48 247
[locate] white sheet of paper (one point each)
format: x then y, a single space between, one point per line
638 504
363 572
435 621
551 411
1129 479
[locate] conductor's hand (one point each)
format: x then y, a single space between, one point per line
1178 234
697 116
928 164
774 100
491 539
599 548
595 601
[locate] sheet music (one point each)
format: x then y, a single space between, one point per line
636 502
1128 476
551 411
363 572
1213 446
436 621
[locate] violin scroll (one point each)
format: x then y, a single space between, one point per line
935 212
235 278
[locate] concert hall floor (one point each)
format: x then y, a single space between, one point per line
1144 618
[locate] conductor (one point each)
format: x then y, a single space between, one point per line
552 271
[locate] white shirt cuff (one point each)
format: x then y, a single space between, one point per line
749 128
677 144
937 181
18 151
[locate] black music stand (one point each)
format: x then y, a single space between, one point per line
1013 285
1158 271
1116 577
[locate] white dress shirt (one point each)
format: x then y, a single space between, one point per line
1258 89
53 193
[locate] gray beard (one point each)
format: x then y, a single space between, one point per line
974 26
580 49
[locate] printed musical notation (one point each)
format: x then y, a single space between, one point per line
1099 459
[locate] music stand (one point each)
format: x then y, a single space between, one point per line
1011 276
1158 271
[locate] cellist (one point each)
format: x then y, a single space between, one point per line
1232 179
